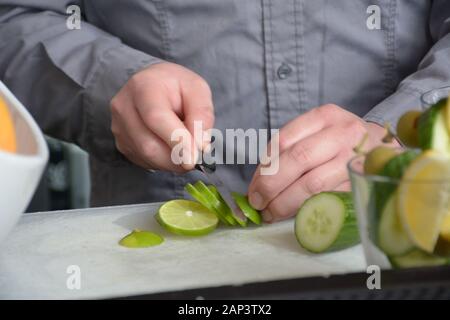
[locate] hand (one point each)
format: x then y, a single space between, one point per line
151 106
314 150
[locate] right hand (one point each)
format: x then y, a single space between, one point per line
151 106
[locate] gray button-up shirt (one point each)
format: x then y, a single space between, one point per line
267 62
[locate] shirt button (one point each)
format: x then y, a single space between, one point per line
284 71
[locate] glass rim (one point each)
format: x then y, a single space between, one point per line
429 92
384 179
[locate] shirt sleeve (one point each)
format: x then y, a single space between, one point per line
433 72
66 78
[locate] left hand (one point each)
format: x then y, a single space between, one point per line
314 150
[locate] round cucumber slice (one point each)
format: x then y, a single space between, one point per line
187 218
252 214
392 238
326 222
141 239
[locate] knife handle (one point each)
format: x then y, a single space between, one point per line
205 166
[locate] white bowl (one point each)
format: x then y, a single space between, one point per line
20 172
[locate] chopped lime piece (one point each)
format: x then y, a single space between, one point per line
187 218
141 239
242 201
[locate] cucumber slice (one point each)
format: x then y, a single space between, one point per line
326 222
433 133
392 238
417 258
205 201
252 214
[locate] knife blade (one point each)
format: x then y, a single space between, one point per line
210 172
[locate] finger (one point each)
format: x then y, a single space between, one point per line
326 177
345 187
148 150
308 124
303 156
158 116
198 111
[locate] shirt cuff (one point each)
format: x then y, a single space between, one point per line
392 108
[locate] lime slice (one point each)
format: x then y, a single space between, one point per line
187 218
141 239
205 200
251 213
423 198
216 200
228 212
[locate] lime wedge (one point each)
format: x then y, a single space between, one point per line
242 202
423 198
141 239
187 218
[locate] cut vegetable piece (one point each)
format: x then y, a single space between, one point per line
197 195
141 239
187 218
394 169
407 128
326 222
377 158
228 210
215 201
433 133
252 214
417 258
423 197
392 238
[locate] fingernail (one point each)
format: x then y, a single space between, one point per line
267 216
256 200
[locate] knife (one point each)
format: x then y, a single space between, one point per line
209 170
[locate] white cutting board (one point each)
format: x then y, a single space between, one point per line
35 257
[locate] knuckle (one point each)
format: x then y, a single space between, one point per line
314 184
264 186
356 128
149 150
200 84
299 153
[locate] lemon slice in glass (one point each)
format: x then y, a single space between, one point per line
423 198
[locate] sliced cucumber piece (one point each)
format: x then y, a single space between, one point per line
327 222
392 238
433 132
417 258
252 214
205 200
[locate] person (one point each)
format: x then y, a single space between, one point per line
324 72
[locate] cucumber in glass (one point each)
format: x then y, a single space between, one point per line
433 129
